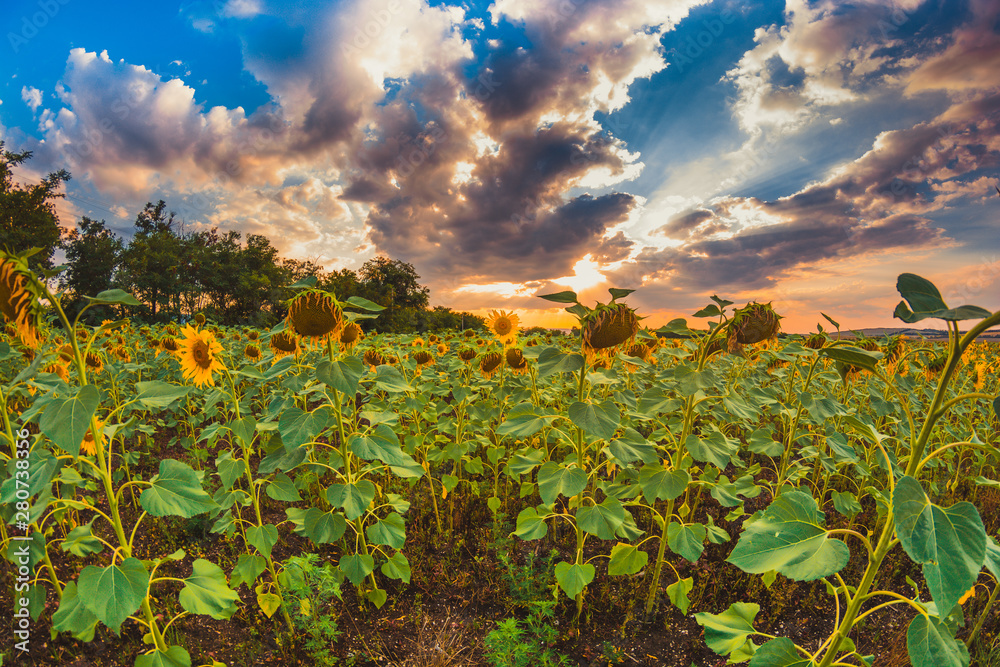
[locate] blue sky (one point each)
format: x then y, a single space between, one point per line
798 152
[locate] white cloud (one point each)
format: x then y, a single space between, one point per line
32 97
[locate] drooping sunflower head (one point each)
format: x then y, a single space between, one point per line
467 354
94 362
315 315
66 353
469 333
490 363
252 334
169 345
423 358
199 356
607 328
893 349
284 343
19 299
350 335
373 358
199 319
867 344
122 353
515 360
815 342
59 369
504 326
754 323
252 352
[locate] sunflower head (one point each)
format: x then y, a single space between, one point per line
607 328
199 356
66 353
469 333
432 339
252 334
19 299
122 354
754 323
89 445
284 343
815 342
504 326
350 335
252 352
466 354
893 349
315 315
94 362
423 358
169 345
867 344
199 319
490 363
417 342
515 360
442 349
373 358
59 369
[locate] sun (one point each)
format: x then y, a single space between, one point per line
586 274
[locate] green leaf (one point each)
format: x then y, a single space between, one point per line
714 448
687 540
115 592
832 321
626 559
309 282
159 395
389 531
324 527
618 293
297 427
762 442
854 356
632 446
780 652
175 656
996 407
728 631
244 429
950 542
342 375
601 520
846 503
397 567
553 360
248 568
65 421
711 310
207 592
993 557
114 296
573 578
269 603
262 538
678 593
599 420
789 538
229 469
175 491
353 498
364 304
81 541
382 444
555 479
560 297
391 380
524 421
282 488
73 616
357 566
925 301
659 483
931 644
530 525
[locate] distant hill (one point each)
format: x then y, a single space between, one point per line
929 334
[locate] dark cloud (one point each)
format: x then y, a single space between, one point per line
681 226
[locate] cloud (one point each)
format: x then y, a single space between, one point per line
970 62
32 97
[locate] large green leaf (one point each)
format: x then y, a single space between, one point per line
357 566
730 630
555 479
930 644
854 356
530 524
596 419
324 527
175 656
157 394
573 578
601 520
248 568
780 652
207 592
631 446
789 538
389 531
364 304
924 300
659 483
282 488
229 469
353 498
262 538
114 296
524 420
389 379
42 468
560 297
66 420
297 427
115 592
81 541
687 540
175 491
553 360
397 567
678 593
714 448
342 375
950 542
382 444
626 559
73 616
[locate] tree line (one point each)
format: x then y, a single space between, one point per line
174 273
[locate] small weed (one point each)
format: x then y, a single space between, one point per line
526 643
314 587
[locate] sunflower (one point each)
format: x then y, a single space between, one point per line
754 323
894 348
350 335
432 339
89 444
169 345
608 328
58 369
815 341
417 342
504 326
122 354
94 362
252 352
284 343
469 333
490 363
373 359
315 316
252 334
515 361
442 349
199 356
639 350
19 300
423 358
467 354
199 319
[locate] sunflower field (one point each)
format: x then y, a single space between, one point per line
190 494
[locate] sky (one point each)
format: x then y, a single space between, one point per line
799 153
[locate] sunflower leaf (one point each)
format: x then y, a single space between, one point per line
560 297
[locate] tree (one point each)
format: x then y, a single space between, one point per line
93 254
27 214
393 283
153 260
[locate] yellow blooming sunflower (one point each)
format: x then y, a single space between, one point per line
19 300
89 445
315 316
199 356
504 326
